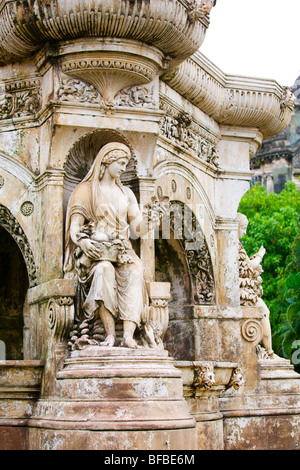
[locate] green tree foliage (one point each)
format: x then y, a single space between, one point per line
273 224
287 337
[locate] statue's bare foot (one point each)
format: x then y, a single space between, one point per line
109 342
128 342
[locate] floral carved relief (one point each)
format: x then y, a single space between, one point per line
20 99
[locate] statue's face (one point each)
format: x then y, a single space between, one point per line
242 230
116 168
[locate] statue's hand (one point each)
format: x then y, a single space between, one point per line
262 252
90 248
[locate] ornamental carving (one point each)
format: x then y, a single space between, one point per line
20 99
199 9
236 380
288 99
27 208
75 90
187 229
8 221
182 131
204 377
60 317
252 331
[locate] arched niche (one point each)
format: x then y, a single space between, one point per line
17 273
82 155
14 284
182 258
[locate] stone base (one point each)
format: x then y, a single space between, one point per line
268 418
115 398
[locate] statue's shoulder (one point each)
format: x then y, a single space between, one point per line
129 193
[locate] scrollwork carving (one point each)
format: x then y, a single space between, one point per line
136 96
60 317
187 229
252 331
75 90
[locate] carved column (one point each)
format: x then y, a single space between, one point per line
146 187
50 188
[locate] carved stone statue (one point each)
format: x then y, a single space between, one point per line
101 213
251 291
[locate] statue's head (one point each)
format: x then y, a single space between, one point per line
111 153
242 224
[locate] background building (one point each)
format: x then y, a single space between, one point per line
278 159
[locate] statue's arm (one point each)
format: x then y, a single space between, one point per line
86 244
256 259
138 224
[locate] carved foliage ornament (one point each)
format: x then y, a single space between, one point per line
74 90
20 99
8 221
182 131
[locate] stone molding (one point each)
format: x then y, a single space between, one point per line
165 24
229 99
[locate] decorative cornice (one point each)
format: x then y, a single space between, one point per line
166 24
232 100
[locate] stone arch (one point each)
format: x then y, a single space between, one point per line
12 226
182 241
180 184
166 168
15 279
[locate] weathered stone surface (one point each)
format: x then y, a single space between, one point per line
190 129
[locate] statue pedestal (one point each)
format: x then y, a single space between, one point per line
115 399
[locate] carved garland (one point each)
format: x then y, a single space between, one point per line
9 223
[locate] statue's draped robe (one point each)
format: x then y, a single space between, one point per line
120 287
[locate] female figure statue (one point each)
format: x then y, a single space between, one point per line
101 212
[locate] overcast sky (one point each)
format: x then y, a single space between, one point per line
256 38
